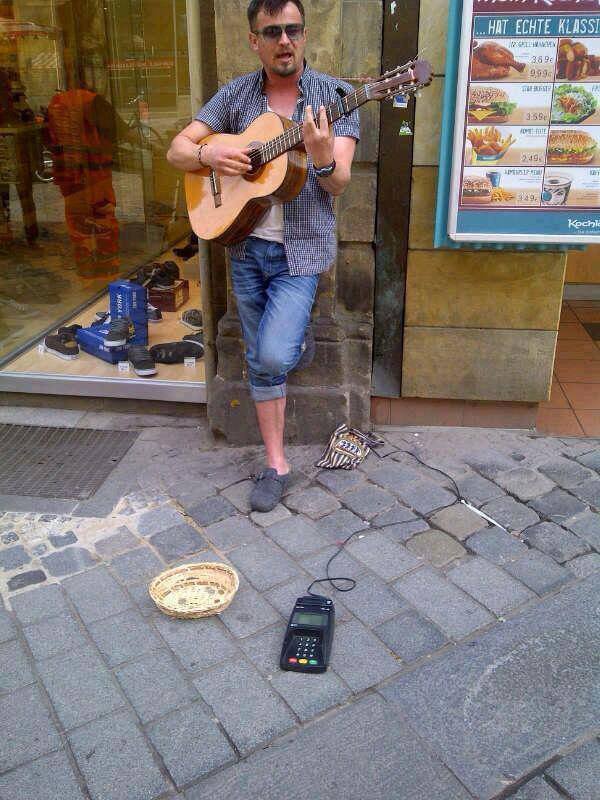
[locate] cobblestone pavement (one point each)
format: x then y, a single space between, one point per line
465 662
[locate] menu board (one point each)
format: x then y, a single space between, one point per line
526 157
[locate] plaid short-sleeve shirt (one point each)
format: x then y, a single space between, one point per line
308 220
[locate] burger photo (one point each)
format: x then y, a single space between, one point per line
490 104
476 190
571 147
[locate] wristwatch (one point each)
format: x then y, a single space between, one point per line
325 172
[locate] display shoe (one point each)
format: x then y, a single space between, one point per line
144 275
176 352
70 329
192 319
120 331
64 345
195 337
154 314
165 275
101 318
188 250
141 360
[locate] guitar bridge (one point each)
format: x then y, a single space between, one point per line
215 187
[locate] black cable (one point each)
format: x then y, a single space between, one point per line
332 580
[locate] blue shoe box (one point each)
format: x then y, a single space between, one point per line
128 299
91 340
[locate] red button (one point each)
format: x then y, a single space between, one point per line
293 660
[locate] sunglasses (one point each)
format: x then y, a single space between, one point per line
273 32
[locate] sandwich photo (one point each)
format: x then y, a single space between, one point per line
490 104
476 190
571 147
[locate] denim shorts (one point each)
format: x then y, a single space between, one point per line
274 309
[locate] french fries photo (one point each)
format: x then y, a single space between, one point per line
489 143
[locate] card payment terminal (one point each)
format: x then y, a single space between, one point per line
309 634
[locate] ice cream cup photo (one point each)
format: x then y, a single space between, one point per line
556 189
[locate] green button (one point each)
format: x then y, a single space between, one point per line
312 661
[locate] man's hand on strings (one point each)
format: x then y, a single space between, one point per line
318 141
227 160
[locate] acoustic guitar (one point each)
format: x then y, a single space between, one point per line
226 209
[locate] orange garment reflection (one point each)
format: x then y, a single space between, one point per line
81 130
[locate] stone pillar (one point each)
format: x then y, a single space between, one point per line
345 40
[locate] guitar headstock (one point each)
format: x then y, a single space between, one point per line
405 79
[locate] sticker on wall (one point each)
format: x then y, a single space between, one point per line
405 130
400 101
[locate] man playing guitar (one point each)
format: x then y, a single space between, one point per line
275 271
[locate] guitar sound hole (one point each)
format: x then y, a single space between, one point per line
257 167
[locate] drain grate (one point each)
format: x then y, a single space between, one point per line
67 463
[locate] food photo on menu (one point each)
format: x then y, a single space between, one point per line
578 60
518 60
504 186
573 146
509 104
573 104
505 145
571 187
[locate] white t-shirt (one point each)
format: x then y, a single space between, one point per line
271 226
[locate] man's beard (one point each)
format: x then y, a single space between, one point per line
284 70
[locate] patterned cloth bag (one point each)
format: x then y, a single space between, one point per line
347 448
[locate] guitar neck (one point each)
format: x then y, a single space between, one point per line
293 136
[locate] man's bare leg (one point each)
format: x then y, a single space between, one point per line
271 421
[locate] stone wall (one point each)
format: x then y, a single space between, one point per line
344 38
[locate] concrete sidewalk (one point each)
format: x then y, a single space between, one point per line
466 661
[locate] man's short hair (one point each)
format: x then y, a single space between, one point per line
271 7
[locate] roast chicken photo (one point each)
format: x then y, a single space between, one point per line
491 61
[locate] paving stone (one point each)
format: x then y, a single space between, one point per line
14 557
139 593
120 541
458 520
264 648
426 496
55 635
27 729
177 542
239 495
62 539
96 595
230 474
397 513
558 506
307 697
591 460
154 685
589 492
267 518
436 547
246 706
451 609
339 525
190 744
68 561
314 502
297 536
283 597
158 519
38 604
359 658
478 490
473 705
490 585
368 501
394 476
510 514
9 538
48 778
213 509
8 629
411 636
524 483
385 557
578 773
538 571
555 541
199 643
137 566
497 546
15 670
24 579
587 526
373 602
326 759
564 472
584 565
124 637
232 532
263 564
403 531
115 759
537 789
248 613
340 481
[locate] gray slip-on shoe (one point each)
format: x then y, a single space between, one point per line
268 490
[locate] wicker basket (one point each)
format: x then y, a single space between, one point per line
195 590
